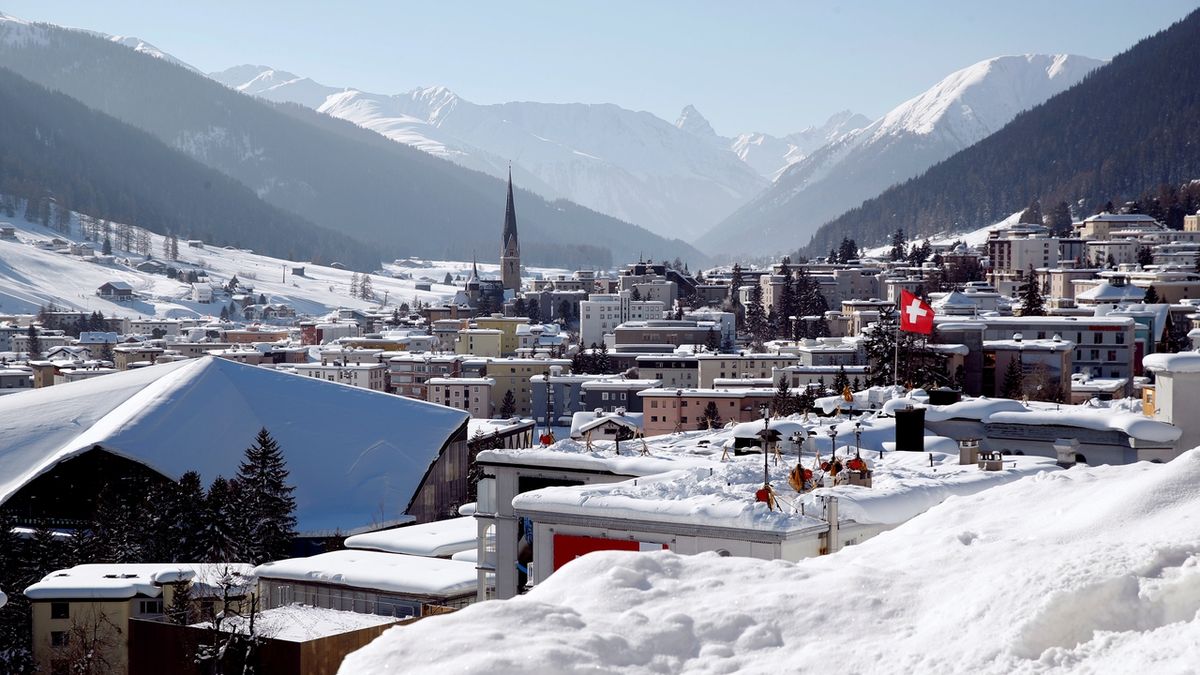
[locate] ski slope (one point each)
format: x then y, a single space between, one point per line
31 277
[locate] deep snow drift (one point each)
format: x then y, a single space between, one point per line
1085 570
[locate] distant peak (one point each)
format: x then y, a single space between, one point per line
691 121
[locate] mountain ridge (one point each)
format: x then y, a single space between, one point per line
959 110
1125 129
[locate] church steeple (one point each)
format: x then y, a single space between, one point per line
510 252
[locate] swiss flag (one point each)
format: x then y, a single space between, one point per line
915 315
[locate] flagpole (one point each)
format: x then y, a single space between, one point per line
896 357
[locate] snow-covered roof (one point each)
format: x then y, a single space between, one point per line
631 421
376 570
118 581
438 539
666 453
301 623
1183 362
1099 555
1105 292
355 456
1100 419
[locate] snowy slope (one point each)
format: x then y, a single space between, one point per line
31 277
1091 570
18 31
627 164
962 109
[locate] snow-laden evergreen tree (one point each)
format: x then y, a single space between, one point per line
880 345
266 501
354 282
16 653
176 520
224 524
365 290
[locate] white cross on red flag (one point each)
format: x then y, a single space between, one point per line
915 315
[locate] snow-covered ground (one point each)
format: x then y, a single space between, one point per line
972 238
31 277
1094 569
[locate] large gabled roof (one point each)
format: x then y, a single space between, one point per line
356 456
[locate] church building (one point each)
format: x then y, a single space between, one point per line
510 253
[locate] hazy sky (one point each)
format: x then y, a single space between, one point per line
748 66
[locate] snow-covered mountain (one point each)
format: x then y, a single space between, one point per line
772 155
628 164
962 109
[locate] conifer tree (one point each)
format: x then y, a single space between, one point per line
266 501
35 342
841 380
354 285
365 290
710 418
1151 297
222 522
898 244
756 316
534 311
1014 380
880 345
1032 214
781 402
1032 303
508 405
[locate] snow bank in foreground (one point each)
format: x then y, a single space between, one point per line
1092 569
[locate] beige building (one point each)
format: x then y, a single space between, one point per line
371 376
88 608
487 342
507 325
740 366
513 375
472 394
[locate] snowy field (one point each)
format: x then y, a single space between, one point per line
1093 569
31 277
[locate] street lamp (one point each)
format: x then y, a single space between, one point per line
766 415
546 381
857 439
832 442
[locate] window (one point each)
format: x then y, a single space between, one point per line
1095 354
1098 338
1120 338
150 606
58 638
1112 355
60 610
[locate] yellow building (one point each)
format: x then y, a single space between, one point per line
480 342
507 325
87 608
513 375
